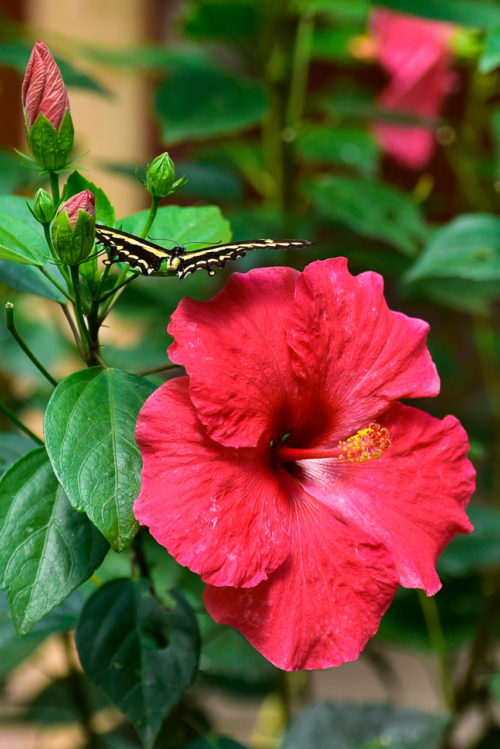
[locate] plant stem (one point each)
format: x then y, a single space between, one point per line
54 186
71 324
12 416
438 645
79 695
163 368
56 284
11 327
118 286
82 327
155 202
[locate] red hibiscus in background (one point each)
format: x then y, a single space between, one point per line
416 54
268 469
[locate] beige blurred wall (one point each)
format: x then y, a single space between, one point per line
111 129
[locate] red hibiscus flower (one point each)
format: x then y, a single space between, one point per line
416 53
283 470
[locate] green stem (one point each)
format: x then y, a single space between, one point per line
151 217
12 416
438 645
11 327
300 68
54 186
56 284
118 286
82 327
71 324
163 368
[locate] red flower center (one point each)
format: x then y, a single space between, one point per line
366 444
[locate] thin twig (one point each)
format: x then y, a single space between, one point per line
10 325
12 416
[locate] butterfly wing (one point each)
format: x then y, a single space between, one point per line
124 247
217 256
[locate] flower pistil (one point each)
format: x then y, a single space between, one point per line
366 444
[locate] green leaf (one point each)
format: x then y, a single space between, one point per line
477 551
12 446
350 147
104 211
13 174
467 248
203 102
371 209
352 726
20 243
143 656
46 548
464 12
490 59
28 278
89 432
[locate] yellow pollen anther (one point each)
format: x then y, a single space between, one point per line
365 445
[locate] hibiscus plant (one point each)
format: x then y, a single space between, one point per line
267 490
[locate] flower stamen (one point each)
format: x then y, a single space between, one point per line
367 444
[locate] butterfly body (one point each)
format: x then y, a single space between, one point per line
147 257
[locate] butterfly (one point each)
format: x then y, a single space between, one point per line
148 257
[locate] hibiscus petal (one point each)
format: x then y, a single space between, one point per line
349 344
319 609
235 351
217 510
411 499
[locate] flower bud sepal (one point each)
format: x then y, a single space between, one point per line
50 147
160 177
43 208
73 243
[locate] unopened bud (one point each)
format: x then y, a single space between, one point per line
73 230
43 207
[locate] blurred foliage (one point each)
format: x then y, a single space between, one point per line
268 108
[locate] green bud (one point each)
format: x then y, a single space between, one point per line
43 207
51 147
160 176
73 242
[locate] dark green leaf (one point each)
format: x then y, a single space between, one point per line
467 248
351 726
371 209
465 12
46 548
20 243
203 102
89 431
12 446
214 742
141 655
328 145
490 59
232 20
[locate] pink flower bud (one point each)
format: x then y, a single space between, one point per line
82 201
43 88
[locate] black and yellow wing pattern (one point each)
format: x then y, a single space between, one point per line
147 257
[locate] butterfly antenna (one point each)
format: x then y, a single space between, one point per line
202 241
